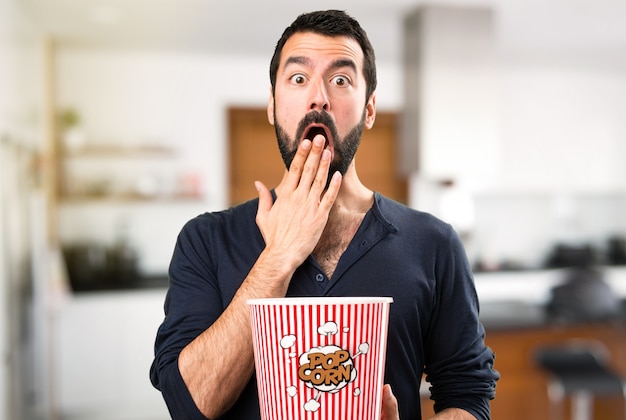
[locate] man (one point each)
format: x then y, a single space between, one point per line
321 232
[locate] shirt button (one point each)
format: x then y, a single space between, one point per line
319 277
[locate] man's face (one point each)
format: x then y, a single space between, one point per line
320 88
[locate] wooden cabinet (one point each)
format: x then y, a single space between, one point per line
521 392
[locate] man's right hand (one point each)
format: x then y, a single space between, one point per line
292 225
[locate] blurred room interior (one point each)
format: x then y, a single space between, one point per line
121 120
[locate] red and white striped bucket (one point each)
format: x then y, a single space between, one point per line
320 358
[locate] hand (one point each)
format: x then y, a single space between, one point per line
390 405
292 225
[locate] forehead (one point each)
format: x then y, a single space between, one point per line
316 47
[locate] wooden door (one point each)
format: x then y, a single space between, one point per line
254 155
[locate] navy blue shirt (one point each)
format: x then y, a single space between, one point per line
409 255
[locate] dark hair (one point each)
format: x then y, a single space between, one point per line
329 23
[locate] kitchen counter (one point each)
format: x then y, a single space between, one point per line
515 315
512 309
512 315
517 299
533 286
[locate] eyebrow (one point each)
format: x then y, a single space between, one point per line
337 64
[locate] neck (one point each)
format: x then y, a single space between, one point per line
353 197
353 201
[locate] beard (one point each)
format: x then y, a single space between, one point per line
345 148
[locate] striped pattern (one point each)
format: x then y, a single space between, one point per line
283 341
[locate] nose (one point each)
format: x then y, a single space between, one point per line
319 97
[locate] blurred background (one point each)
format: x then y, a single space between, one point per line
121 120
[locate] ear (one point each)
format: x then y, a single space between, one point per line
270 108
370 111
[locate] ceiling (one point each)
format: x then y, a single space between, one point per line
586 29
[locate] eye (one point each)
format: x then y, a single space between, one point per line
298 79
341 81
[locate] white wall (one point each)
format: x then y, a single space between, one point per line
563 143
563 126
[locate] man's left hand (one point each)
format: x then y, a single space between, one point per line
390 405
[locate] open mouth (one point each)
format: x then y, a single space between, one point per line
314 131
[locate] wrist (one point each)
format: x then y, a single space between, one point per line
270 275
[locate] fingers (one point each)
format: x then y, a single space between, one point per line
390 404
265 197
292 177
315 171
309 166
331 193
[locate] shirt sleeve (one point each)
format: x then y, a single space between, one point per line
458 365
191 306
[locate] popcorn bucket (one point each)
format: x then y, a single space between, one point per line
320 358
